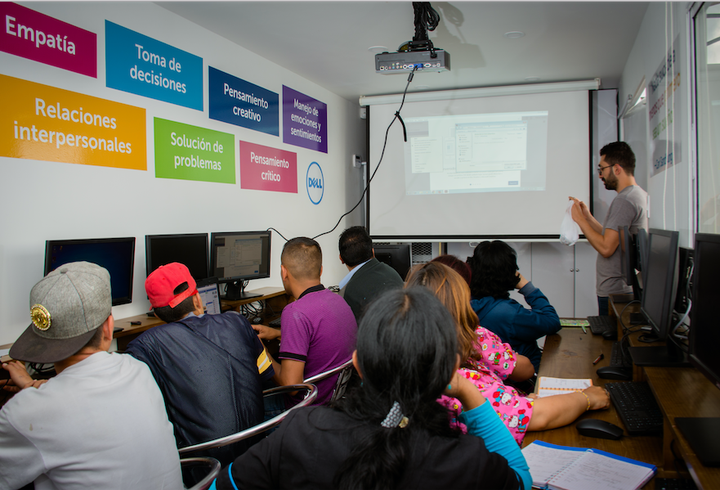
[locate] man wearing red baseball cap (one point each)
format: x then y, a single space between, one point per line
207 366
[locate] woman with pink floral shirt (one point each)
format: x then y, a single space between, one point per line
487 362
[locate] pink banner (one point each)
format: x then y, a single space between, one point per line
42 38
267 169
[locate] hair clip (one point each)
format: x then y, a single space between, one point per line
395 418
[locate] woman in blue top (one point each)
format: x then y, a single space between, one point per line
494 274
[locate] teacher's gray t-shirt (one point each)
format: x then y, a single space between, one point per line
629 208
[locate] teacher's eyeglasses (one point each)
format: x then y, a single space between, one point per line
600 169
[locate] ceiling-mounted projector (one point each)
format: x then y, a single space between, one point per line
436 60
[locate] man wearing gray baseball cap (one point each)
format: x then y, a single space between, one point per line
101 422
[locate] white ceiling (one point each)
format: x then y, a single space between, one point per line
327 42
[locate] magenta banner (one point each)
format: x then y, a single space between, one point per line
267 169
42 38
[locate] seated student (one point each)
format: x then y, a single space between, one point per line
318 329
367 276
487 362
389 432
462 268
101 422
494 273
206 365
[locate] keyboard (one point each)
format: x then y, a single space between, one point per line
275 323
674 484
620 355
636 407
602 324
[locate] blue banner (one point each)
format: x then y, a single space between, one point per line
236 101
144 66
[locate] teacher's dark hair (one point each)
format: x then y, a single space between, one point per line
406 349
494 268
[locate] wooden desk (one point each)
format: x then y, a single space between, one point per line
569 354
680 392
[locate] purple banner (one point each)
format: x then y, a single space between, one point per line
304 121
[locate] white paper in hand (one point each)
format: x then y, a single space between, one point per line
569 229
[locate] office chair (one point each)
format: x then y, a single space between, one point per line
346 371
211 465
262 427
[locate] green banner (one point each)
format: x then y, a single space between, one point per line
190 152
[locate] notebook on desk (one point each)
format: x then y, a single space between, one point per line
210 295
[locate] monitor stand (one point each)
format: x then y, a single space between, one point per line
236 291
701 434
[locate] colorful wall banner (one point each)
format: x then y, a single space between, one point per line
40 122
304 121
42 38
188 152
144 66
267 169
664 108
236 101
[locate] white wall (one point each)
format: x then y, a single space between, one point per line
48 200
670 191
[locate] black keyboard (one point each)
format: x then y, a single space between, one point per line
275 323
674 484
601 324
620 356
636 407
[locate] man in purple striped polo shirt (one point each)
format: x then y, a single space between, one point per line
318 329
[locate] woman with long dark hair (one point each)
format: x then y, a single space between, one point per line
494 273
390 432
487 362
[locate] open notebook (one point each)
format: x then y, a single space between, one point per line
574 468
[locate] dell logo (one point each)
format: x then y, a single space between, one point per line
315 183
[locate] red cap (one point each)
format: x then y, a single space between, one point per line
162 282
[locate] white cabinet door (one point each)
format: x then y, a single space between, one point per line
553 266
585 295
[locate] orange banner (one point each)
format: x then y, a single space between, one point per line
40 122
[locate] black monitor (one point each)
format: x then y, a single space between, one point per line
641 242
685 268
117 255
238 256
701 433
188 249
396 256
629 261
658 298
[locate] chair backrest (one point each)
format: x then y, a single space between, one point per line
213 469
345 369
262 427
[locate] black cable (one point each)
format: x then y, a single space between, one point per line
426 19
281 235
382 155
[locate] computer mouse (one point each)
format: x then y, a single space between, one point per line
615 372
598 428
610 334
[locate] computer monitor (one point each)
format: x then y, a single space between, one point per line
685 268
117 255
238 256
704 338
629 261
641 241
658 299
396 256
189 249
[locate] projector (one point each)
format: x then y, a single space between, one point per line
404 62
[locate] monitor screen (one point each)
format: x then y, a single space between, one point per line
188 249
239 256
117 255
704 328
396 256
661 280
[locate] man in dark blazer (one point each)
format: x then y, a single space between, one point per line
367 276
